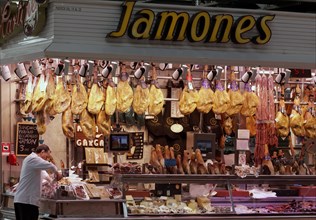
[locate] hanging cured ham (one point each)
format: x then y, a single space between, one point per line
50 90
40 122
39 96
63 98
296 117
189 97
221 99
282 121
141 98
79 97
110 99
205 101
156 97
67 124
235 97
251 125
87 124
104 123
310 120
251 102
96 99
124 92
27 95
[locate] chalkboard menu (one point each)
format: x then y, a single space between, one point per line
27 138
137 146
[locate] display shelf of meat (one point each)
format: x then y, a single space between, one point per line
228 196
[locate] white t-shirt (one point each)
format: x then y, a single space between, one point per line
29 189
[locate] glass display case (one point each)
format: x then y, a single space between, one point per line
219 196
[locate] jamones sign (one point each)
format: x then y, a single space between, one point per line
200 27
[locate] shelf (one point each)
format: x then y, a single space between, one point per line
195 178
81 201
97 164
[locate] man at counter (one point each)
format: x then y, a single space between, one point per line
28 192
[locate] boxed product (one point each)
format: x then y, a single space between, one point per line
90 155
93 175
99 156
243 134
80 191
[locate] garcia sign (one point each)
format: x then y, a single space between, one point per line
200 27
24 15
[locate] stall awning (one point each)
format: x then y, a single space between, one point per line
78 29
25 51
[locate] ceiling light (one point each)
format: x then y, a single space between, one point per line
20 71
5 72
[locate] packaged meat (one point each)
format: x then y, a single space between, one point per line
80 191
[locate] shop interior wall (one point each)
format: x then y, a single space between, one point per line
53 137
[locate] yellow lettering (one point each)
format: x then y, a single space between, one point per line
243 25
128 7
221 28
179 26
171 26
141 27
199 26
264 30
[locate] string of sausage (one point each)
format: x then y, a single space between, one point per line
260 134
272 137
264 98
271 106
261 140
258 82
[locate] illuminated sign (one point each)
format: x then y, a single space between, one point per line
28 16
200 27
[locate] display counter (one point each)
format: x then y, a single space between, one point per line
283 196
82 208
227 206
56 209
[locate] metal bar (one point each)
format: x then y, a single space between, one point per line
290 102
231 196
171 99
2 171
195 178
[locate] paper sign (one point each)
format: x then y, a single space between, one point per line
242 144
